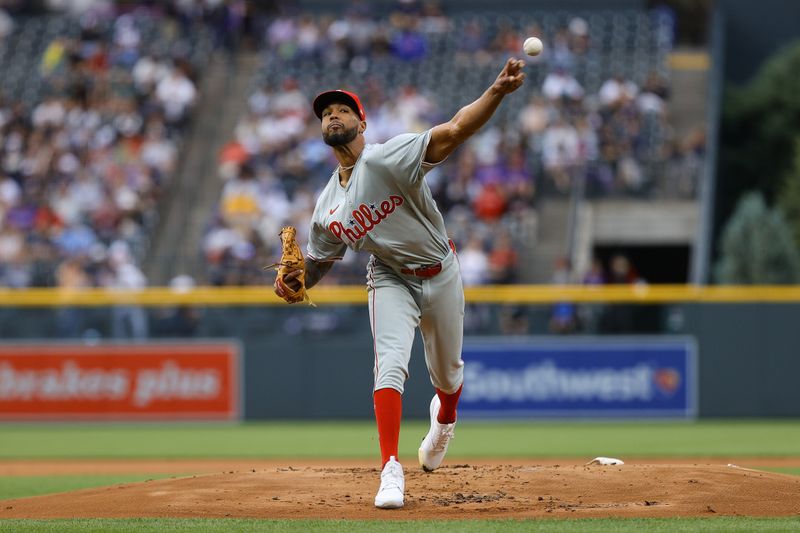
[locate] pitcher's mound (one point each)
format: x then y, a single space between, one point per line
455 491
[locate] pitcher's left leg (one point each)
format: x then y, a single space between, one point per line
442 327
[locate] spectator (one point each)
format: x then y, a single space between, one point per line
177 94
227 19
148 72
619 318
181 320
507 41
560 84
561 56
127 39
588 313
54 57
596 274
503 261
218 241
513 320
560 153
490 202
621 270
433 20
652 99
71 276
472 45
12 258
413 110
617 91
519 182
49 113
408 44
578 30
290 101
474 263
309 38
535 116
158 151
563 315
127 321
260 101
241 202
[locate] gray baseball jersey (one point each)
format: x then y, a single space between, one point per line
387 209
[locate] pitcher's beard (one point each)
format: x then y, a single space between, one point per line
339 138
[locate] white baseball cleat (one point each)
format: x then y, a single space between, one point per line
434 445
390 495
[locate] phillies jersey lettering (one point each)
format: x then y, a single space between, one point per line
365 218
386 208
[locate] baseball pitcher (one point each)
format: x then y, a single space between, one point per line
377 200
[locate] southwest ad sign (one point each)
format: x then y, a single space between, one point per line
579 377
159 381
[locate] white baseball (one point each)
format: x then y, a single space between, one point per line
532 46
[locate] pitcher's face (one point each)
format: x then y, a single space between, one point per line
340 124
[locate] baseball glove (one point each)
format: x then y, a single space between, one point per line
293 288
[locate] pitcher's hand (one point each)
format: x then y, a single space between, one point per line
510 78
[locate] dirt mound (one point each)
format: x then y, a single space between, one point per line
455 491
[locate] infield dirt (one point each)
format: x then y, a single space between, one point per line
474 489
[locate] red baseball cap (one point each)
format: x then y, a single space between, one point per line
323 100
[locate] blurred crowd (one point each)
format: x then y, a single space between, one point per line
614 139
568 317
83 167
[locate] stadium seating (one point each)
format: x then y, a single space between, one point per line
412 68
87 149
448 60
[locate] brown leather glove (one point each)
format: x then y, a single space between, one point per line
290 281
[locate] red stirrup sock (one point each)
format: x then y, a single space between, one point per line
388 412
447 412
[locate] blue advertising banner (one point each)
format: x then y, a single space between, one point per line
579 377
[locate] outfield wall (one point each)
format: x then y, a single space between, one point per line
302 362
748 361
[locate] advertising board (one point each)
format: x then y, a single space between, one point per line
579 377
141 381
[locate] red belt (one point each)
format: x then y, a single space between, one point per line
430 270
423 272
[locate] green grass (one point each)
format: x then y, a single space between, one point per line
651 525
782 470
23 486
359 439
